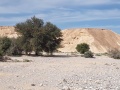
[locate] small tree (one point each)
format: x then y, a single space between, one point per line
82 48
5 44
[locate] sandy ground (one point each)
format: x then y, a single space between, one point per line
60 73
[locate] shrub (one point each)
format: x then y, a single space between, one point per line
98 54
15 48
5 44
88 54
82 48
114 54
26 60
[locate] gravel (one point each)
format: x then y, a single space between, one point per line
60 73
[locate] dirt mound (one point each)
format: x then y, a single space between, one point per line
100 40
8 31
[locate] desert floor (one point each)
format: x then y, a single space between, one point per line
60 73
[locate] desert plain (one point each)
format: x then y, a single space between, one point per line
64 72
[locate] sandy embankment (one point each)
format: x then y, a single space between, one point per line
56 73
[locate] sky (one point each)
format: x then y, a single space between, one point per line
63 13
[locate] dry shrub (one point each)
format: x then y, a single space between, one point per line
88 54
114 54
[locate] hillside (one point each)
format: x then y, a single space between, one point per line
8 31
100 40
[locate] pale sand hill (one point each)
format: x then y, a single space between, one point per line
100 40
8 31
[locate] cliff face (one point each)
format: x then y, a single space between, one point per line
8 31
100 40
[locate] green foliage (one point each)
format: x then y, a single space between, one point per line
82 48
52 38
16 47
38 37
5 44
114 54
1 56
88 54
31 31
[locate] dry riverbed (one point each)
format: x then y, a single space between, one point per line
60 73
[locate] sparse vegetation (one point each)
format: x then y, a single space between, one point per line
26 60
5 44
88 54
82 48
114 54
98 54
15 48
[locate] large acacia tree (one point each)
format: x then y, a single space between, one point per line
30 30
38 36
52 37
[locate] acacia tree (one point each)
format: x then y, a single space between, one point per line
30 30
52 37
39 37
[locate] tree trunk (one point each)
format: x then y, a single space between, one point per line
36 53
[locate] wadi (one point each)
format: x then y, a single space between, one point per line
66 69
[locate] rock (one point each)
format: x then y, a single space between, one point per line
32 84
65 88
41 84
12 87
117 67
64 80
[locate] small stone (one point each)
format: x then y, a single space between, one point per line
32 84
11 87
117 67
41 84
65 88
79 89
17 76
23 76
64 80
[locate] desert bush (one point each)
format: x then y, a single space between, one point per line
26 60
88 54
82 48
15 48
114 54
98 54
5 44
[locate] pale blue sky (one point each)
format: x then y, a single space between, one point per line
64 13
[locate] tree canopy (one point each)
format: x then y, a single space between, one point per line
37 36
